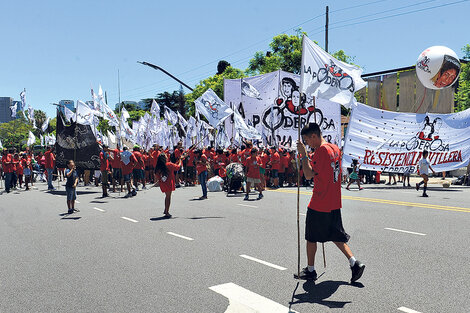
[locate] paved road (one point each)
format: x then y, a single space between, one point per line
229 255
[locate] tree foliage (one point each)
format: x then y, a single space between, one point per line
15 133
462 97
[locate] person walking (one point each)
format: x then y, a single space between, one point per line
71 186
252 165
354 177
165 175
201 162
7 165
105 169
423 168
323 221
50 160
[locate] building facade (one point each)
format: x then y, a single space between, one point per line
5 112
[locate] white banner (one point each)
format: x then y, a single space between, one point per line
275 115
393 142
325 77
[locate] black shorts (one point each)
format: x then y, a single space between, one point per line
323 227
190 172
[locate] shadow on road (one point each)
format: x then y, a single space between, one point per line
319 293
203 217
162 218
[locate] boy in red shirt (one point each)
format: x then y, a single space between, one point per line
128 161
115 156
275 167
201 167
323 222
138 172
252 165
50 162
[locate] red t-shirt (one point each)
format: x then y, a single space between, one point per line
116 162
50 159
326 162
140 161
167 183
234 158
201 167
127 169
177 154
252 167
275 161
6 163
19 167
264 160
285 159
190 159
155 154
219 161
104 161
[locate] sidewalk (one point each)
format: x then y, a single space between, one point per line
434 182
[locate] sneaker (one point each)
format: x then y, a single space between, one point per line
144 188
387 184
203 198
246 198
134 193
357 271
70 212
409 185
128 195
425 195
305 274
417 187
394 183
260 196
137 188
76 210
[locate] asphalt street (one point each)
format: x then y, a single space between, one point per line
228 255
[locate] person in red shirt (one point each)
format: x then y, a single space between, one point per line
275 167
264 158
165 174
7 164
128 161
177 155
234 156
252 165
115 156
27 169
219 161
19 169
201 168
139 173
190 170
105 169
155 152
323 221
50 162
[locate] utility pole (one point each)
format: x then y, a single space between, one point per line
161 69
326 29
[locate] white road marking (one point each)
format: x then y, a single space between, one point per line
129 219
97 209
180 236
244 300
303 214
263 262
249 206
403 309
405 231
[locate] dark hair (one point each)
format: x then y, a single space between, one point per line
160 167
254 150
288 80
234 150
220 151
425 153
68 162
311 128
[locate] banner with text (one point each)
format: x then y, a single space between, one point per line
274 110
393 142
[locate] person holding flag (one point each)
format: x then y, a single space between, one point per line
323 221
165 175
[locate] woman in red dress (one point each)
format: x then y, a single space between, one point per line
165 175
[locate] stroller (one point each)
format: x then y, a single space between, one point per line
235 177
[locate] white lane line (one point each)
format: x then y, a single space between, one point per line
244 300
403 309
303 214
180 236
97 209
129 219
248 206
263 262
405 231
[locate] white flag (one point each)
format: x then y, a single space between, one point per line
85 115
212 107
69 115
111 136
23 99
246 131
182 121
250 91
30 113
1 145
45 124
41 137
13 110
110 116
31 139
124 113
325 77
170 116
155 109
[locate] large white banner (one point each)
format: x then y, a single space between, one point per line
274 113
393 142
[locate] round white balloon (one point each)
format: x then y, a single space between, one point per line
438 67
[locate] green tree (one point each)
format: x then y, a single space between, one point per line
15 133
215 82
462 96
285 54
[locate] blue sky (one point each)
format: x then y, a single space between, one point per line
58 49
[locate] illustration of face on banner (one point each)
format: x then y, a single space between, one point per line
276 114
394 142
